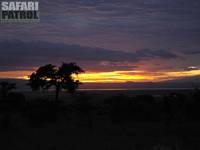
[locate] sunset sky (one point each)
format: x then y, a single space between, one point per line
112 40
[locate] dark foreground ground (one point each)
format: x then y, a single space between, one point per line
101 120
150 136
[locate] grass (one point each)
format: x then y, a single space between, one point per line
100 121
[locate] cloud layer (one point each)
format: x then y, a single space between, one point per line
16 54
114 24
106 35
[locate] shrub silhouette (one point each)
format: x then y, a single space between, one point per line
6 88
41 111
196 95
120 108
145 108
174 107
16 99
85 107
59 77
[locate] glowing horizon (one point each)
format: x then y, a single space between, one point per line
115 76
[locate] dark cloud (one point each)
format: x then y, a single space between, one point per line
156 53
19 54
124 25
113 24
190 52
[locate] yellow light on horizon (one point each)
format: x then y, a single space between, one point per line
115 76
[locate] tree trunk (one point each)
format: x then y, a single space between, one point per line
57 92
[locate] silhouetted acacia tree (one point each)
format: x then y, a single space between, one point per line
59 77
5 88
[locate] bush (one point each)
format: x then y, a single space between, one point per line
119 107
43 111
16 99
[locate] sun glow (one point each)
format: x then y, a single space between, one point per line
115 76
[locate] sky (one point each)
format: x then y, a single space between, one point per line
112 40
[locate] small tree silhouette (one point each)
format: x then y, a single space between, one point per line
5 88
59 77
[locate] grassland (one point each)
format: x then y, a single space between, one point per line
110 120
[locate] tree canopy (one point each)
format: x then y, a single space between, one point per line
60 77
